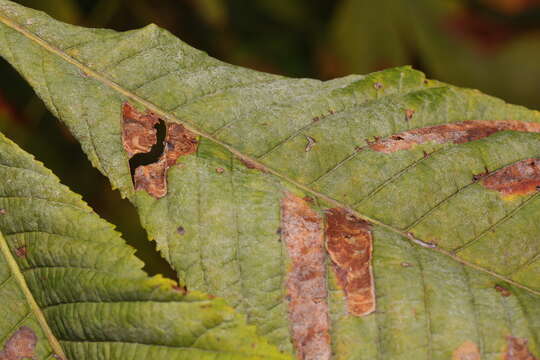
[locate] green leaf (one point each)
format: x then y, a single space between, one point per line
455 261
71 287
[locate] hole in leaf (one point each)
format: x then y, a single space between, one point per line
36 131
153 155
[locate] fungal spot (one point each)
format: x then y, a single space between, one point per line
466 351
520 178
303 235
21 251
406 264
378 85
457 133
517 349
21 345
502 290
409 114
311 142
3 212
180 230
220 170
350 246
316 118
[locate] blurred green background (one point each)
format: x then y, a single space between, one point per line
491 45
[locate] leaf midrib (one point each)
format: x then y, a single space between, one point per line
169 117
34 307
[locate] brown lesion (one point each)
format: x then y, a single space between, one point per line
21 345
21 251
457 133
350 245
302 232
153 177
138 130
520 178
518 349
139 135
502 290
250 164
468 350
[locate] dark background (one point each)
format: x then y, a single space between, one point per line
492 45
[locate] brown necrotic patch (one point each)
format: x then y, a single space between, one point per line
350 245
520 178
153 177
457 133
138 130
466 351
518 349
302 232
140 136
21 345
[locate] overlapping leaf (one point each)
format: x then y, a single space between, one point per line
71 287
474 289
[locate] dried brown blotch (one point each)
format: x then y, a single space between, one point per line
350 245
520 178
466 351
179 141
250 164
517 349
138 130
457 133
409 114
502 290
21 345
302 232
21 251
153 177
